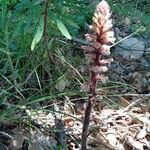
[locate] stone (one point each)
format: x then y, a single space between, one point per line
147 51
131 48
145 64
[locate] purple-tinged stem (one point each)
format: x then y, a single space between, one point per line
90 104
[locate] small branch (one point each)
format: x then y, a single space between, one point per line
46 31
142 95
107 145
125 38
80 41
137 102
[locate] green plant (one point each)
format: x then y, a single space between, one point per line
27 75
137 12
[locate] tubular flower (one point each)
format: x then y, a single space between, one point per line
101 37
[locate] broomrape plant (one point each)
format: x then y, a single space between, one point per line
97 53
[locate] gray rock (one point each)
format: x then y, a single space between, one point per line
145 64
147 50
131 48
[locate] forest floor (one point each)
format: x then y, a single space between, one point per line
122 122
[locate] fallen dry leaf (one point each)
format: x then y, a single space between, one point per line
18 139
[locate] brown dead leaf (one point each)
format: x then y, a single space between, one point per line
123 102
136 144
112 137
69 122
18 139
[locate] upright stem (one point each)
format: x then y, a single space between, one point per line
100 36
90 104
46 31
7 49
88 110
9 54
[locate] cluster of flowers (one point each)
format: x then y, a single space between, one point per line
100 39
97 53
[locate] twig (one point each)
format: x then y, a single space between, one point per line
107 145
46 31
129 49
80 41
83 42
130 94
125 38
133 104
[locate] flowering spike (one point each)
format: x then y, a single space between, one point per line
102 24
100 38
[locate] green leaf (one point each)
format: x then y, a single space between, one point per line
4 51
61 85
63 29
60 55
4 12
38 34
17 29
72 23
38 2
